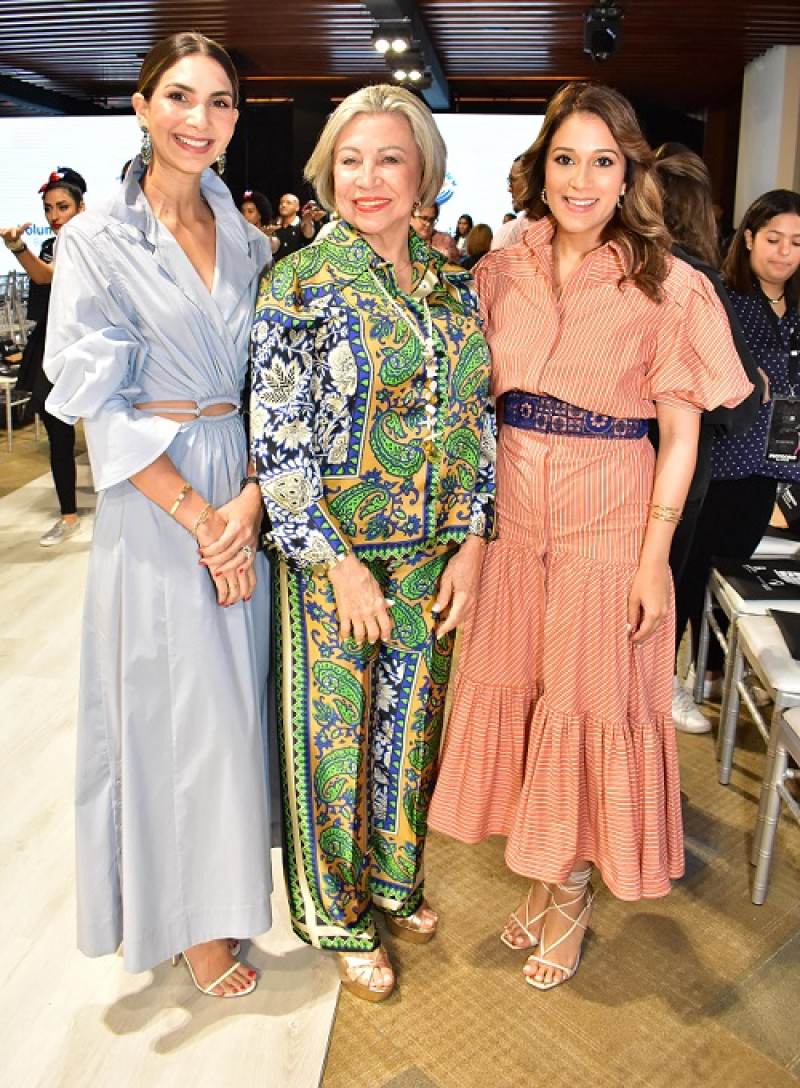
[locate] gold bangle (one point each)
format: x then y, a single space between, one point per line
665 513
184 491
203 517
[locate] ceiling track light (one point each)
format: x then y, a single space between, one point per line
602 32
392 37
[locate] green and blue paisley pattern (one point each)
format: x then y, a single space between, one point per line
359 737
338 412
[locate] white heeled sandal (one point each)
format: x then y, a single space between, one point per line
525 926
209 990
579 884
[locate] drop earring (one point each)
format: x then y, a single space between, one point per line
220 163
544 197
621 199
146 152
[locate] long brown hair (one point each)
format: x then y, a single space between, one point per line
736 268
187 44
688 201
638 226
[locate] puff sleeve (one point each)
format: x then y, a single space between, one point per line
696 363
93 353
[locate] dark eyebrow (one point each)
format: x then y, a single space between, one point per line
191 90
596 151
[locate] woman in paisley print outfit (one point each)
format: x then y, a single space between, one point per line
374 441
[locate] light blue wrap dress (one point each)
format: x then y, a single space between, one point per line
172 816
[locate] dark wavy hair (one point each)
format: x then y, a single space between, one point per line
187 44
688 201
736 268
638 226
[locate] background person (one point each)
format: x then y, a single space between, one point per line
479 242
291 230
424 220
62 197
151 313
762 274
560 735
257 209
514 227
689 215
463 227
375 446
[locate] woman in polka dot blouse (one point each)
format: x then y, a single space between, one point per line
762 272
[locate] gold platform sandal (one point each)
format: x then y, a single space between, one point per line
578 884
411 928
515 920
360 974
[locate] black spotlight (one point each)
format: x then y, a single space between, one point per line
602 34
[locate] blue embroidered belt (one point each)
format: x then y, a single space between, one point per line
548 414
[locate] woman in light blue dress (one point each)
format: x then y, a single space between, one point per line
150 318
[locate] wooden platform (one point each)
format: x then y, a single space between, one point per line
72 1022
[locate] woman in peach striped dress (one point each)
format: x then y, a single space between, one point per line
560 735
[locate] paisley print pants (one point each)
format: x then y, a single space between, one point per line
359 732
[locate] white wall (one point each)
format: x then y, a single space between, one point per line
769 135
32 147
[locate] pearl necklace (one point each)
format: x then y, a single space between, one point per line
428 358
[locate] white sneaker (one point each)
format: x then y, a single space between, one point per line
712 686
685 713
60 531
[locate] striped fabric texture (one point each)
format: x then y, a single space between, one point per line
560 736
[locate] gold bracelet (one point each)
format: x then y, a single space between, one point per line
203 517
665 513
184 491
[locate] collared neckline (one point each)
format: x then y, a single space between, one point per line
131 206
538 238
361 257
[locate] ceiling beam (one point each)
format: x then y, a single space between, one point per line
438 94
44 101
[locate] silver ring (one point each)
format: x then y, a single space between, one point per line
248 551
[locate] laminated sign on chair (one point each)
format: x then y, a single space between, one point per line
778 579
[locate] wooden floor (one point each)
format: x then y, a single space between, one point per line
71 1022
700 990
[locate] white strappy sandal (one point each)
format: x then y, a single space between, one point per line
209 990
525 926
579 884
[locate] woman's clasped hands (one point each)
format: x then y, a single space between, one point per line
228 544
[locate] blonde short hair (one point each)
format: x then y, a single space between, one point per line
382 98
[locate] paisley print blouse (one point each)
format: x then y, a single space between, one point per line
358 445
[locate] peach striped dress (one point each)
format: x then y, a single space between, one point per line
560 736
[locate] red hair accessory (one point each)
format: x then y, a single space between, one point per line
247 194
57 175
